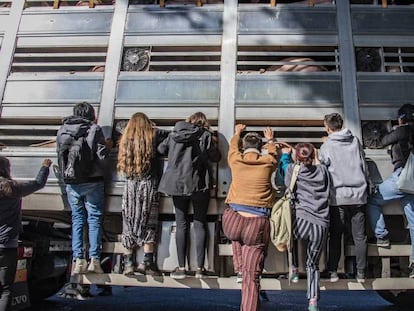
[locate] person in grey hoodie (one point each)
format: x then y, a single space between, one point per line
190 148
342 153
11 193
310 219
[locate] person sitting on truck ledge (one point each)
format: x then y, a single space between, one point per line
11 193
250 199
190 148
81 147
139 162
400 139
344 157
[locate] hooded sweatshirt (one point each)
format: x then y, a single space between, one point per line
343 155
311 193
190 149
77 126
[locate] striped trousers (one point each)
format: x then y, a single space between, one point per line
250 238
316 236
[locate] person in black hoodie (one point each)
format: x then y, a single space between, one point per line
190 148
85 192
11 193
400 139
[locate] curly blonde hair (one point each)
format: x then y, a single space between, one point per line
136 146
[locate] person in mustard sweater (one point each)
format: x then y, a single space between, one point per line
249 202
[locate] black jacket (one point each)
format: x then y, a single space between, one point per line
190 150
398 138
74 126
10 207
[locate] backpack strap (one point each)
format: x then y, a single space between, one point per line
293 179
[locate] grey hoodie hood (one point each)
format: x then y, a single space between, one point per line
185 132
342 153
344 135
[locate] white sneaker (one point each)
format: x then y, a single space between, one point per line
80 266
95 266
239 277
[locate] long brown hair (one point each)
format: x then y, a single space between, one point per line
136 146
6 183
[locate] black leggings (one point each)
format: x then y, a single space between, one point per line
8 264
200 202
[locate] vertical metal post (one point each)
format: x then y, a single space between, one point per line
112 66
348 68
9 43
228 90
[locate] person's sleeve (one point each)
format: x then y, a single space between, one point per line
288 175
163 146
234 151
102 150
26 188
285 160
323 157
391 138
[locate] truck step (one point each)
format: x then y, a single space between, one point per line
230 282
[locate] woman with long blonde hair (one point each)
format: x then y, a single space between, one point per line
142 168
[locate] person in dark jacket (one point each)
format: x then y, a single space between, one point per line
140 163
399 139
86 194
191 148
11 193
311 212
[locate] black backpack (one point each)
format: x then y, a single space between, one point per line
75 159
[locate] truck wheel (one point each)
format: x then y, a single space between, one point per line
42 289
403 298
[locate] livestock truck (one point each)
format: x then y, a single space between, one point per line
283 64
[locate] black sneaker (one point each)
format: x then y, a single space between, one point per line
200 273
148 268
178 274
411 268
383 242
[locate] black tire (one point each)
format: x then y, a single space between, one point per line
42 289
403 299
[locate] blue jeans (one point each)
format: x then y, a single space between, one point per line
386 193
87 204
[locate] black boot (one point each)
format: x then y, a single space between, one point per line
148 266
129 264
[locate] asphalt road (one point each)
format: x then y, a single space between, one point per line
154 299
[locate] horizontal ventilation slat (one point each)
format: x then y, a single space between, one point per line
59 59
171 58
287 58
